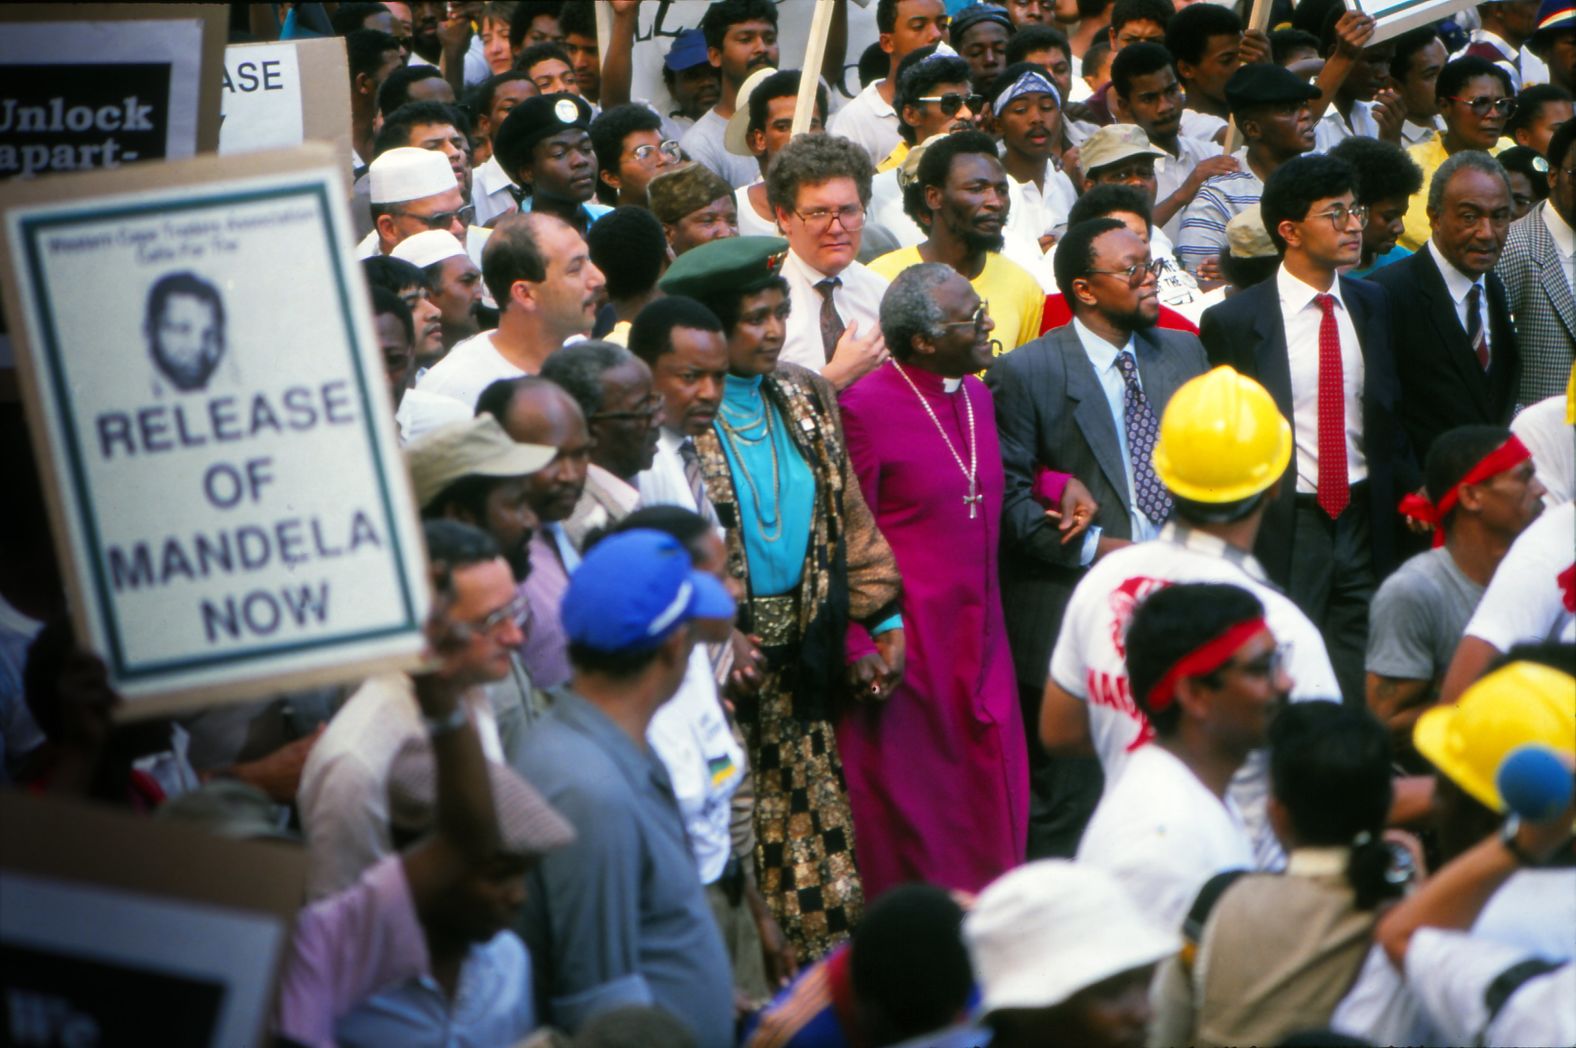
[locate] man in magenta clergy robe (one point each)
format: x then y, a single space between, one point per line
938 773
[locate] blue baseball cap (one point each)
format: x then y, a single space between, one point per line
687 52
634 589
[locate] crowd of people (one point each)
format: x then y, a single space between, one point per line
1076 548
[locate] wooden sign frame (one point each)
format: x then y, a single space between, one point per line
156 687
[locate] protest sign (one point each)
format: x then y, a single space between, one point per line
100 85
282 94
1394 17
175 942
215 426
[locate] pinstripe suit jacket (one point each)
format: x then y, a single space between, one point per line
1542 305
1051 411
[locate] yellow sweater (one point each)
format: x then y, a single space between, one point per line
1016 301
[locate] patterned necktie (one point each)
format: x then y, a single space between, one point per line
1142 430
831 323
697 483
1475 334
1334 492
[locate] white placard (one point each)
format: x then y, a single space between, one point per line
225 467
1394 17
261 104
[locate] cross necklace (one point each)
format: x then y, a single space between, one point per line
971 471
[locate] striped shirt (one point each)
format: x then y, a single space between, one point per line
1219 200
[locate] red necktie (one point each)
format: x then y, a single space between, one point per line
1333 493
1475 333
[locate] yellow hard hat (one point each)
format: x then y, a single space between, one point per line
1222 439
1517 704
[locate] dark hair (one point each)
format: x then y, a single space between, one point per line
782 84
726 304
1075 251
1330 770
619 665
812 159
1092 8
1525 161
686 526
1384 170
1188 32
629 247
395 274
1172 623
395 91
1459 71
183 283
1098 51
917 77
578 17
1296 184
1309 15
467 494
512 253
364 51
1560 145
635 1026
1035 38
1136 60
886 15
725 14
1102 201
609 130
1408 44
347 18
577 370
874 64
1452 455
479 101
651 335
1530 103
526 12
907 960
385 301
1124 11
458 545
398 125
1243 273
936 163
1284 41
540 53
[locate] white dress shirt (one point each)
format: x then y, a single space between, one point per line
1564 243
1302 317
490 191
1415 134
869 121
857 300
1102 356
1460 286
665 484
1033 212
1332 128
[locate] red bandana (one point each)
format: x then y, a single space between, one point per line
1508 455
1206 658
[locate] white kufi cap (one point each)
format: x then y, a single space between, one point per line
433 245
408 173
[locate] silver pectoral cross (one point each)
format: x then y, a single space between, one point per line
972 501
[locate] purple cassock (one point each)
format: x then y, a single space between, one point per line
938 774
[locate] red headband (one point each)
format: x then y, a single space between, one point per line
1206 658
1508 455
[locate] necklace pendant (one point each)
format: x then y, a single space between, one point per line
972 501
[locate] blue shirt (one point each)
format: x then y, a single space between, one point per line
591 209
619 916
772 482
1395 254
492 1005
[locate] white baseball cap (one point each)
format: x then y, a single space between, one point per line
426 248
408 173
1044 931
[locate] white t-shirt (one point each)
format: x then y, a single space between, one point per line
1162 834
1203 126
691 737
750 223
704 142
1532 596
467 369
1450 973
869 121
1552 441
1332 129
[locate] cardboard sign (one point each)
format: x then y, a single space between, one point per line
175 942
203 384
1394 17
97 86
282 94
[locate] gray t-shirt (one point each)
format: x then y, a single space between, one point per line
1418 616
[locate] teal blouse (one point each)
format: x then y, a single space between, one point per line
772 482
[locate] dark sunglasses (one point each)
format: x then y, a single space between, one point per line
951 102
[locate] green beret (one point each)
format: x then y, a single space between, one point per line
731 264
684 191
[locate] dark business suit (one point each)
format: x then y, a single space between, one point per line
1051 411
1247 332
1442 383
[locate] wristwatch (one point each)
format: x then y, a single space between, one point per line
1507 837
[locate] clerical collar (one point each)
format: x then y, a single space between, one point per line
951 385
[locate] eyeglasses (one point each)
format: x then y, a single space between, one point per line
517 611
819 219
1340 216
443 219
1481 105
1136 273
644 413
978 319
646 153
1266 665
951 102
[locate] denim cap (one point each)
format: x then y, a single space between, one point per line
634 589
